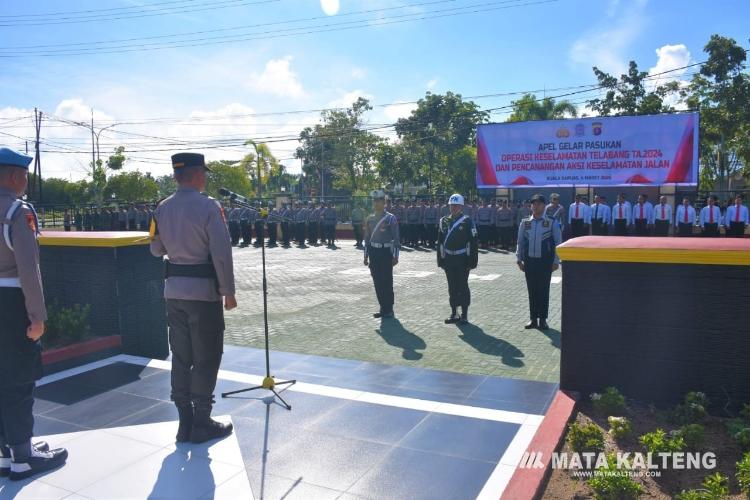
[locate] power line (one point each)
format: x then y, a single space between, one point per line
54 20
282 33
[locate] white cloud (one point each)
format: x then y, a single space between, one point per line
348 98
278 79
358 73
607 49
668 58
431 84
399 110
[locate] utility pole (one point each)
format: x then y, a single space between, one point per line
322 173
37 184
93 144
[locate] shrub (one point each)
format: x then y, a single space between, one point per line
743 439
659 442
715 487
587 437
694 436
610 402
67 324
693 410
743 474
619 427
611 483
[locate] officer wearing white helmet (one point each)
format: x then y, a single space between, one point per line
382 244
457 255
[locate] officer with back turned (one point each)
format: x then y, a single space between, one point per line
382 244
358 218
190 229
22 317
457 255
538 237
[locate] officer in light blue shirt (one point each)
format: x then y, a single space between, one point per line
538 237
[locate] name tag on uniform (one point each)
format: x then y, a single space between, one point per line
527 224
545 223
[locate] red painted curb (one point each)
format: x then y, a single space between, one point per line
80 349
527 483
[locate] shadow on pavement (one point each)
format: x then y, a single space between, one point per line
487 344
394 333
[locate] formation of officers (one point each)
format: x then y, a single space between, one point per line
124 218
643 218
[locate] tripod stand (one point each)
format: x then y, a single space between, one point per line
269 383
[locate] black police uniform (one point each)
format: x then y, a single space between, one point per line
382 247
457 255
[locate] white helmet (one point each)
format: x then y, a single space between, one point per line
456 199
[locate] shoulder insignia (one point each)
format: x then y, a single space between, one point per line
31 222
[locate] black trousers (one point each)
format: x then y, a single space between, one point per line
259 230
661 228
506 232
131 225
493 235
272 233
357 227
196 337
641 227
300 233
122 225
234 232
285 233
736 229
329 232
685 229
621 227
381 270
20 367
577 228
484 234
598 228
711 230
538 275
247 232
457 274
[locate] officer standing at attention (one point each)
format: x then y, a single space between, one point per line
504 223
300 220
66 220
273 221
579 218
485 219
259 223
555 211
382 245
736 219
329 218
358 218
600 215
538 237
234 225
22 317
285 214
245 228
643 216
662 217
431 220
621 215
684 218
457 255
189 228
710 218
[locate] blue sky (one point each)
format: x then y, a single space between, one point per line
217 90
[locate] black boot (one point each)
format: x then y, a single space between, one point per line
532 324
205 428
28 461
5 456
453 318
185 410
464 320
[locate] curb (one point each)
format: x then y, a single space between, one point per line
80 349
528 483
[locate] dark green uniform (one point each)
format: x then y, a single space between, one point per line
457 255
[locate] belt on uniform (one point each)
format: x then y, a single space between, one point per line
462 251
381 245
10 283
189 270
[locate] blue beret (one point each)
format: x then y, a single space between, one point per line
10 158
182 160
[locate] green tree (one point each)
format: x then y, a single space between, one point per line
271 170
117 159
341 147
630 95
437 130
529 108
131 187
230 175
166 184
721 93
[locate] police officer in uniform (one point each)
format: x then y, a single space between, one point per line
485 219
22 317
710 218
286 214
234 225
260 225
662 217
358 218
272 224
382 244
600 215
189 228
538 237
457 255
245 227
300 220
579 218
431 221
736 218
504 224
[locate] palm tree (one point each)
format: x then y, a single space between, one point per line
529 108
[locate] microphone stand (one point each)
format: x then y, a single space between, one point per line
269 382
